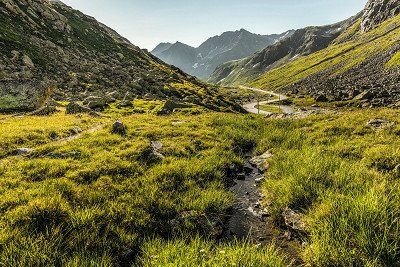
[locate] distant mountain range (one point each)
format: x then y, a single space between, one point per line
44 40
301 43
203 60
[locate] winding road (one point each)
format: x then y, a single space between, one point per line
252 107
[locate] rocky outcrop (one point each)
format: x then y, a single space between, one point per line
48 40
377 11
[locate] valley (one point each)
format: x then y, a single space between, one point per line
281 150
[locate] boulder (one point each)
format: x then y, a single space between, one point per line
379 123
27 61
96 103
119 128
366 95
321 98
260 161
294 220
75 108
169 107
125 104
44 111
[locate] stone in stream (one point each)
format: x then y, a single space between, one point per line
294 220
259 180
260 161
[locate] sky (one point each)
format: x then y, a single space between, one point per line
147 23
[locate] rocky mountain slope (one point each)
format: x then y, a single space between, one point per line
46 44
362 66
203 60
303 42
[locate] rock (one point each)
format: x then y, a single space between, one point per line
27 61
260 161
119 128
366 95
23 151
241 177
377 11
259 180
293 220
44 111
125 104
75 108
96 103
156 146
321 98
379 123
169 107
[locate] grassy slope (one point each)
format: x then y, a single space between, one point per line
342 175
339 56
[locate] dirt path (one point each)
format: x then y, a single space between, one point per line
252 107
250 221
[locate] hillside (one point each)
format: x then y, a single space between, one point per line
303 42
48 46
361 65
203 60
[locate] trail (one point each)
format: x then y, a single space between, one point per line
252 107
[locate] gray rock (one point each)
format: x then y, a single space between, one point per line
119 128
44 111
27 61
75 108
23 151
96 103
379 123
260 161
169 107
377 11
294 220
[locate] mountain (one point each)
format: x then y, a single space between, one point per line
361 66
178 54
203 60
161 48
302 42
46 45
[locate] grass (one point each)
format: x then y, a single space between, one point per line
198 252
106 200
94 200
270 108
342 175
338 57
394 61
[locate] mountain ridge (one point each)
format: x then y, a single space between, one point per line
43 40
302 42
202 60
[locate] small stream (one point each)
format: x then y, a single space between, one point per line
249 220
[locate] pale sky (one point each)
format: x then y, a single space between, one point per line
148 22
